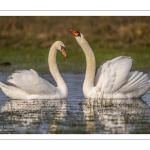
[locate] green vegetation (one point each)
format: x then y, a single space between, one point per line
25 41
74 63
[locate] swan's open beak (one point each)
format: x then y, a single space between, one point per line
74 32
63 50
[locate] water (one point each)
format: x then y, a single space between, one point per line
75 115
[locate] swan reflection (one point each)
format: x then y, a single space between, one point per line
75 116
116 116
31 116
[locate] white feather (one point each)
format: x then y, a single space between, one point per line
38 85
27 84
113 79
113 74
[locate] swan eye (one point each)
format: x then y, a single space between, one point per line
78 34
62 47
63 50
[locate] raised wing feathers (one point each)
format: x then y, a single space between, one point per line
135 81
113 74
31 82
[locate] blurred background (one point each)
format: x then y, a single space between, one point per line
25 41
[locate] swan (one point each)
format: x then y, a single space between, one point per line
113 79
27 84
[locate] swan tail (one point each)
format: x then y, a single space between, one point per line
6 89
136 81
13 92
2 85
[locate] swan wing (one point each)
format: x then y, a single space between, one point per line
136 80
113 74
31 82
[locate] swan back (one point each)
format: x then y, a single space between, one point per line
31 82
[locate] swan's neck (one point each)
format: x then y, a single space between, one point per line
90 68
55 72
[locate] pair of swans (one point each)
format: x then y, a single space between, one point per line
113 79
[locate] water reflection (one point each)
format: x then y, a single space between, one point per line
75 115
116 116
78 116
31 116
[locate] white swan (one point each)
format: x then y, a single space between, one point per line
113 79
27 84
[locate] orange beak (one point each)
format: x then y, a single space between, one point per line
64 52
74 32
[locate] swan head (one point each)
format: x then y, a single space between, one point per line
61 47
78 35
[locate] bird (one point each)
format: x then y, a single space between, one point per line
27 84
5 64
114 79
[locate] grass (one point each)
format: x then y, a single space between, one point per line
75 61
25 41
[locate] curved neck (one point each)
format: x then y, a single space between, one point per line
55 72
90 68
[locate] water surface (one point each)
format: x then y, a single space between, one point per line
75 115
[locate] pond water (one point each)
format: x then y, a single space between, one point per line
75 115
